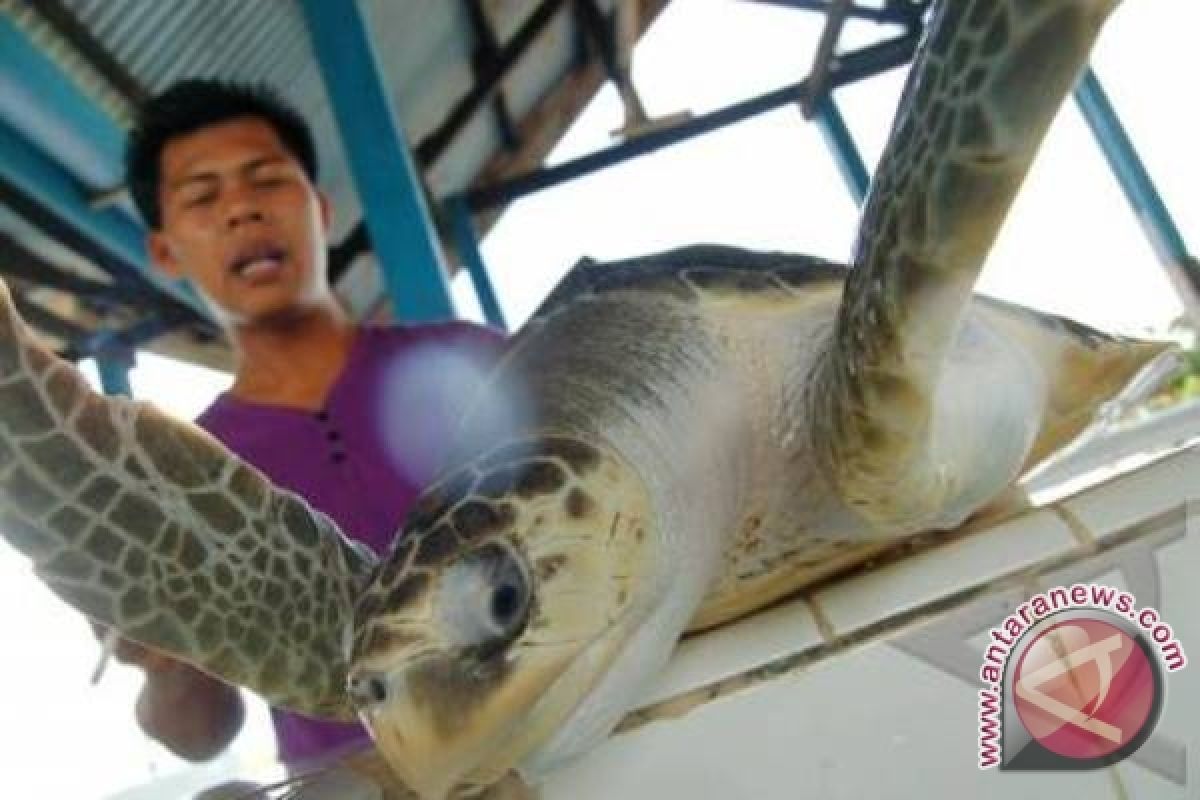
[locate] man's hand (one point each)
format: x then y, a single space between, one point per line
192 714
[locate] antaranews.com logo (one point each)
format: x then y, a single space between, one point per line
1073 680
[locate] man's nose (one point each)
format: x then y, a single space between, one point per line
241 208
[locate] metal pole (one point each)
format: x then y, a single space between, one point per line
841 145
56 144
114 366
867 62
389 186
904 15
28 172
1139 190
45 105
468 250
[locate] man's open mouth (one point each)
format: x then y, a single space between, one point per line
258 261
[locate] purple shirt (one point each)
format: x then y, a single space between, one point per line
366 455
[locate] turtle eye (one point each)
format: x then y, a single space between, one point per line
508 603
485 597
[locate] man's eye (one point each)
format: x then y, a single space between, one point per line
199 200
269 181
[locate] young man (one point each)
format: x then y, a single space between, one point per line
353 418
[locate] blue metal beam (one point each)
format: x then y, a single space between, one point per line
79 149
393 203
1135 181
121 345
854 66
46 106
905 14
114 372
467 240
26 169
842 147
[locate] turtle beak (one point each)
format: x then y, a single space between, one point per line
443 721
428 764
446 720
425 765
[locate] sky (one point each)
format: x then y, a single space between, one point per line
1070 246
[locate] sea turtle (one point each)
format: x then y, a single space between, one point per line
670 442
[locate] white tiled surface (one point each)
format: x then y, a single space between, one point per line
874 723
1178 567
897 717
961 564
714 656
1149 437
1114 506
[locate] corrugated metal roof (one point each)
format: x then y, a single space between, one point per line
426 49
161 42
56 47
259 41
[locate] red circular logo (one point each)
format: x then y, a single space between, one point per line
1084 689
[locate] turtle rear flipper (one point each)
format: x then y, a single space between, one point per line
988 81
1091 376
147 524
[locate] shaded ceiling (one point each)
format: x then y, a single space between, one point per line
484 89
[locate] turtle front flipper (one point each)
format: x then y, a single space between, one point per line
146 523
986 84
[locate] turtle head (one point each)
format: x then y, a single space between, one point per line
512 588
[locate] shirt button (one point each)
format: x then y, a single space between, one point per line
322 415
333 436
338 457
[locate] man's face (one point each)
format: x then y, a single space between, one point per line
242 221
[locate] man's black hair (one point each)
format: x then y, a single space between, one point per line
193 104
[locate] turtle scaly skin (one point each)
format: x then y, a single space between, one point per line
149 525
971 119
763 421
670 442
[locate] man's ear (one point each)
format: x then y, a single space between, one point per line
326 208
162 254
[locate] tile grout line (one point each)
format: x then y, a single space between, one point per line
1020 576
878 630
1075 525
1118 783
1011 572
824 626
